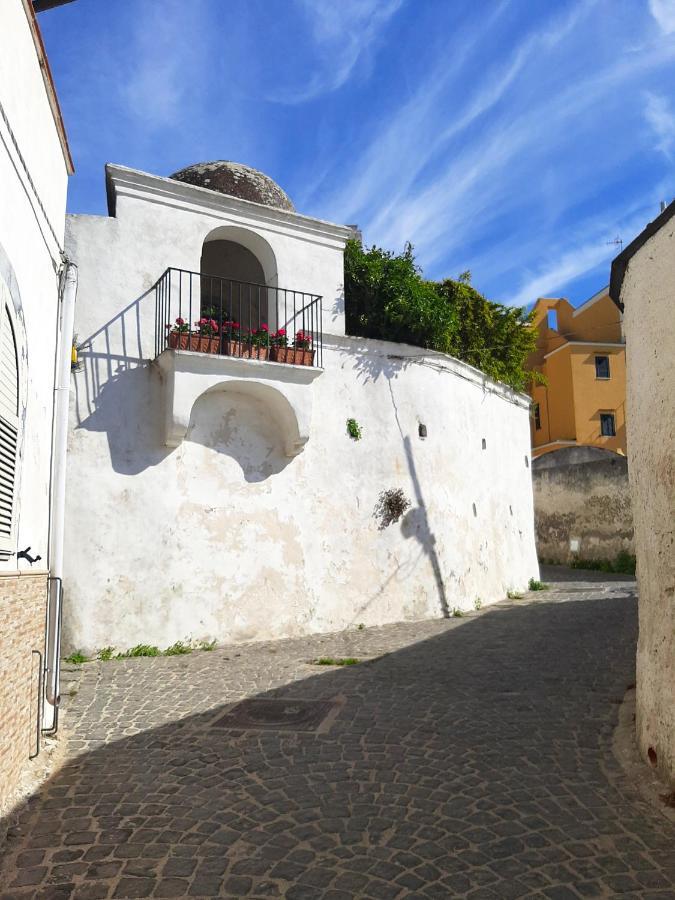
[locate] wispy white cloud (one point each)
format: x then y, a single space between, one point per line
343 32
167 48
661 118
664 13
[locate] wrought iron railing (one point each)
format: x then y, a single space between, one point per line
222 316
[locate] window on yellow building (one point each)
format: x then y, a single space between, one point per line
537 417
607 425
602 366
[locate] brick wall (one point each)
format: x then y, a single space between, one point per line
22 629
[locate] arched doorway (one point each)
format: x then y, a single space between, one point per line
238 278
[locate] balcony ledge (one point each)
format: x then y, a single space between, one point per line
285 389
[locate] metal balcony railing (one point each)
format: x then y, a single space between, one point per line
222 316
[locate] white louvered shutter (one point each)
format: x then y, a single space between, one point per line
9 428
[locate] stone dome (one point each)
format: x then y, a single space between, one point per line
235 180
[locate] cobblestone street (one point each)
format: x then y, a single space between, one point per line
469 757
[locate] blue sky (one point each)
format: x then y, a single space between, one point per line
514 139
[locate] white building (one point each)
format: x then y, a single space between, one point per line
34 168
216 496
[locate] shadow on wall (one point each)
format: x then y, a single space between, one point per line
239 426
415 524
424 760
120 393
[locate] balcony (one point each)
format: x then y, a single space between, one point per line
214 333
223 317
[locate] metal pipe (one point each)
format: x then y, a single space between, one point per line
59 446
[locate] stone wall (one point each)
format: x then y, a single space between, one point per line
648 295
22 622
582 505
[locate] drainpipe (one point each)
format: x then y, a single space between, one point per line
58 498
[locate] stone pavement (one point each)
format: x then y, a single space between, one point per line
465 758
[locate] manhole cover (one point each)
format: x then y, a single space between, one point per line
276 714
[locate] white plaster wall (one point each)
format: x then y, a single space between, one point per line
170 231
225 537
648 294
28 259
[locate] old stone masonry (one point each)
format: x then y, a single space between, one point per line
470 757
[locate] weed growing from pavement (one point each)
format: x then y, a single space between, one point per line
514 595
534 585
457 612
329 661
76 658
180 648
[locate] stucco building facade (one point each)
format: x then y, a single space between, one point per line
581 353
34 168
218 495
643 287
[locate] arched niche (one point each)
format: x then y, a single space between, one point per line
284 390
238 276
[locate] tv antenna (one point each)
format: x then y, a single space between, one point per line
617 242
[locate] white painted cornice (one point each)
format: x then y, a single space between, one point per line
124 182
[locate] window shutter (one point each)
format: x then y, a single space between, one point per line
9 429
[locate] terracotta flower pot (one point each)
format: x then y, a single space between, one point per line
294 355
249 351
198 343
179 340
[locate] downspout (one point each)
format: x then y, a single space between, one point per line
58 498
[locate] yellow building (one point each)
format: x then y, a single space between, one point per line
582 354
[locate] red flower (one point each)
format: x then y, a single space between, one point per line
264 327
180 321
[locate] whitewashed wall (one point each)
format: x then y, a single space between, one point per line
29 257
225 537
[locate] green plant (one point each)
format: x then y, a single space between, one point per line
477 603
535 585
354 430
105 653
207 645
390 507
178 649
139 650
386 297
342 661
516 595
76 658
360 626
624 564
457 612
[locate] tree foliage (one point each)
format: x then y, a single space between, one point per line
387 298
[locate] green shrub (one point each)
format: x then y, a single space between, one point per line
624 564
386 297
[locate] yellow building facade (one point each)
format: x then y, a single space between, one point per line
582 354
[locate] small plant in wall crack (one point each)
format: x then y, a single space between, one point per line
390 507
457 612
477 604
354 430
514 595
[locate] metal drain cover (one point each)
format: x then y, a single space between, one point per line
277 714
